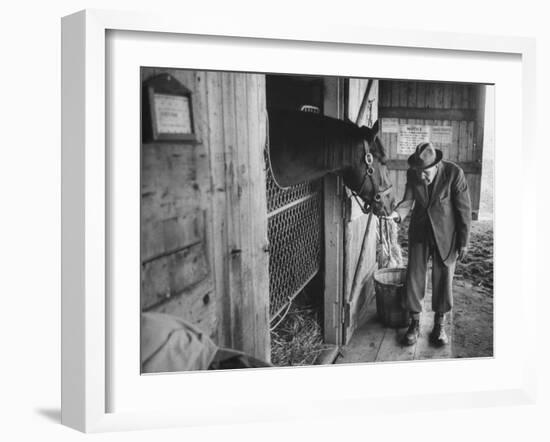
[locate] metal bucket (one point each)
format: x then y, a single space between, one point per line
389 287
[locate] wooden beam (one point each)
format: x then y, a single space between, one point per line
467 167
427 113
364 102
334 228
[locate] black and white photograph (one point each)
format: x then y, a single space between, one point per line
275 221
301 220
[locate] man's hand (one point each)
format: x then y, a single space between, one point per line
462 252
394 216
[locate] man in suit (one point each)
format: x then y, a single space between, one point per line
437 193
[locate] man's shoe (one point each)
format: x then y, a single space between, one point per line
411 335
438 336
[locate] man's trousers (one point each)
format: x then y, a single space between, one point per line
442 278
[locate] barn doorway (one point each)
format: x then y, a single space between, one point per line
296 232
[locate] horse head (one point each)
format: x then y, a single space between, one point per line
368 175
305 146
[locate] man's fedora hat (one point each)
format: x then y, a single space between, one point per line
425 156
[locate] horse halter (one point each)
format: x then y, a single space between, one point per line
377 194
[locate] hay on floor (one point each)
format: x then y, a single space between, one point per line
298 339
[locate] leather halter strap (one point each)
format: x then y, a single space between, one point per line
377 194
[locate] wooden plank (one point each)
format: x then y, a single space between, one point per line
447 95
389 141
463 141
472 96
439 96
204 174
174 237
163 232
457 96
431 95
363 92
172 274
455 147
356 272
241 215
354 232
402 165
334 234
471 141
448 152
233 253
178 234
333 247
403 94
427 113
391 348
395 90
480 122
420 95
214 134
196 305
465 97
366 341
374 95
259 257
385 93
411 94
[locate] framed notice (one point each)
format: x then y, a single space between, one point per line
168 108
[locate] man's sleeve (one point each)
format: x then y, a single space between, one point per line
463 209
407 203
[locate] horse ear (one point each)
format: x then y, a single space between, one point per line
375 127
368 133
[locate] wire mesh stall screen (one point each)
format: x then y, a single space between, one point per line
295 234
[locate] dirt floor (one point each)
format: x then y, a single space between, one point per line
473 308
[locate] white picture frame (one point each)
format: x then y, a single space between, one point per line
86 214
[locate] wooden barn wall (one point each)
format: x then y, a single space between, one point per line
356 220
204 215
460 106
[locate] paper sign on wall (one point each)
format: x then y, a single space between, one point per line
410 136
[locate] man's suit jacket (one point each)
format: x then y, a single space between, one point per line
448 211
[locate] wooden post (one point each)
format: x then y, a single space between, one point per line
334 228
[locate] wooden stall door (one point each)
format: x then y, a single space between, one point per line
234 126
361 108
203 214
176 271
451 115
